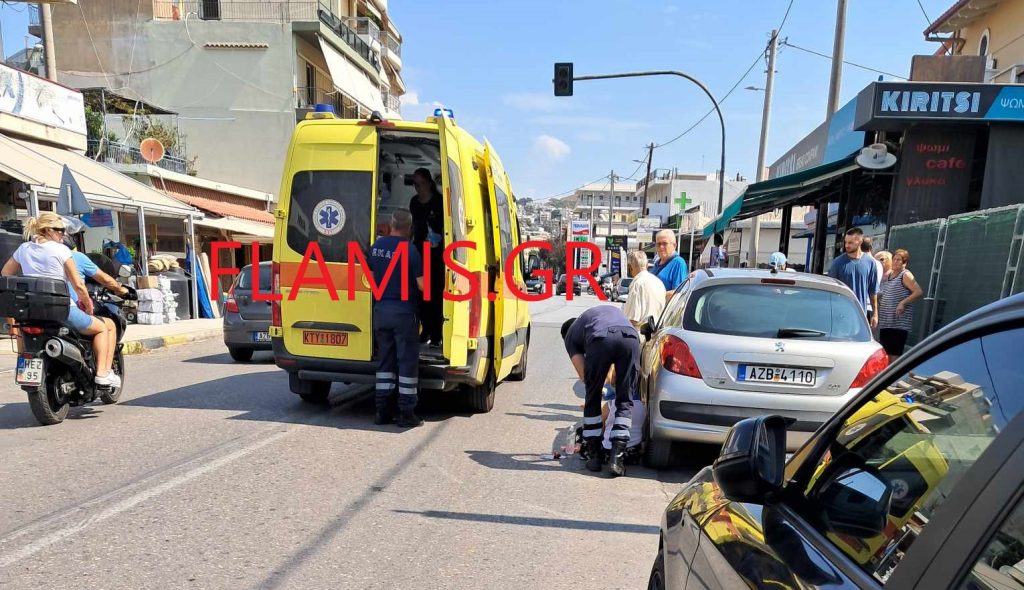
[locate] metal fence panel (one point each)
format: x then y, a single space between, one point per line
920 240
974 263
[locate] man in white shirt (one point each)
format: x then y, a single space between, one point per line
646 293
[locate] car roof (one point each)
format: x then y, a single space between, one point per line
757 274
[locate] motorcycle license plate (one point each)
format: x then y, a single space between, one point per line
30 371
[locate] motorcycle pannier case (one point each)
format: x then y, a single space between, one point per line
34 299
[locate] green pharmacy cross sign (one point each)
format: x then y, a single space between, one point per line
682 201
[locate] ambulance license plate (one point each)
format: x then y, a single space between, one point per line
30 371
319 338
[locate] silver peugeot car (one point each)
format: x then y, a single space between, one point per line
247 321
736 343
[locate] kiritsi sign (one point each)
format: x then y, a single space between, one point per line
885 105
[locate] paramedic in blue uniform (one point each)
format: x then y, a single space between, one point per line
598 339
395 325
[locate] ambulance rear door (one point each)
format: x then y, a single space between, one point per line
505 305
456 313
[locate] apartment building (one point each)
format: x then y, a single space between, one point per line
238 73
596 202
993 29
668 187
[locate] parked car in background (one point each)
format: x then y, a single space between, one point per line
577 288
735 343
247 321
621 291
915 483
535 284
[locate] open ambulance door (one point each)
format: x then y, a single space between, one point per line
456 313
505 306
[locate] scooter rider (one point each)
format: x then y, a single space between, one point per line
45 255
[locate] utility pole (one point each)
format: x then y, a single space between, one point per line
46 19
755 229
611 202
836 82
647 180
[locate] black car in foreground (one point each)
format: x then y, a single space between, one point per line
916 483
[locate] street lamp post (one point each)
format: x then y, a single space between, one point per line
563 87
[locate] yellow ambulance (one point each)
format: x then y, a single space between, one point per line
342 179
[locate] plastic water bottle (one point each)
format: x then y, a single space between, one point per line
570 447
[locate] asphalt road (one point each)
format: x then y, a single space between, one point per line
211 474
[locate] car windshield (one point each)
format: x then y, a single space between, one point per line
245 278
776 311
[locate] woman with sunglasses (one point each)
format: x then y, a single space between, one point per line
45 255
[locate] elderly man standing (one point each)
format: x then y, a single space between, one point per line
646 293
669 267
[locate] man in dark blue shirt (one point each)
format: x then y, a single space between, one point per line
395 325
600 338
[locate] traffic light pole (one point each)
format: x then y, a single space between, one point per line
721 119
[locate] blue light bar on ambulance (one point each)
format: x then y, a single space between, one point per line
449 112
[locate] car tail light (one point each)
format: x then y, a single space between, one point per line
231 305
676 357
32 330
475 306
275 289
875 364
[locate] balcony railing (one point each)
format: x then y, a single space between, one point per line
363 26
391 101
392 44
119 153
344 107
349 36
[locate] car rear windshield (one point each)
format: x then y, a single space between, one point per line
332 208
245 278
761 311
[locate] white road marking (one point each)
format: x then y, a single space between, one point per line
131 501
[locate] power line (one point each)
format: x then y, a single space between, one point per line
602 177
924 12
760 56
849 63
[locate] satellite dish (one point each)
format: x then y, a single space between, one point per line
152 150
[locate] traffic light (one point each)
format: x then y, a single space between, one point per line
563 79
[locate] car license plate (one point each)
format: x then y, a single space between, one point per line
261 337
767 374
30 371
318 338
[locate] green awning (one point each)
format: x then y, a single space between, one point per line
722 222
775 193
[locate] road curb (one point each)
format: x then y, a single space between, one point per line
157 342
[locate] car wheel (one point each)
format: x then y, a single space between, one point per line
480 398
241 355
657 453
657 579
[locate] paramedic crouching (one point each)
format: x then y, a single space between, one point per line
598 339
395 325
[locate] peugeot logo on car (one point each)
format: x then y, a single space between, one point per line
780 347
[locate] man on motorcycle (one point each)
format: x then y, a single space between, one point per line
45 255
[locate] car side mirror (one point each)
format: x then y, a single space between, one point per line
753 459
855 502
649 327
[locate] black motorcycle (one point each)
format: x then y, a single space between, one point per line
56 367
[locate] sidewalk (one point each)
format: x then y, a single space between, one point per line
139 338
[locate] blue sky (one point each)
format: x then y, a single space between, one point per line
491 62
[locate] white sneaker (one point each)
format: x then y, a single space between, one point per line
109 380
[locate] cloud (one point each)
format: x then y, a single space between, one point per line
410 99
670 9
533 101
551 147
